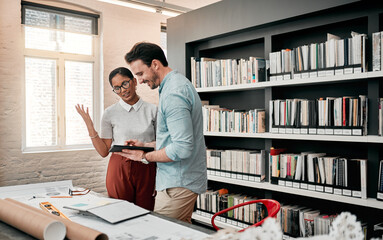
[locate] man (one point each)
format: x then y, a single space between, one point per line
180 144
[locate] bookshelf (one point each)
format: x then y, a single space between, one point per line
213 32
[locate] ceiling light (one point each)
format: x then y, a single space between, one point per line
169 13
130 5
143 7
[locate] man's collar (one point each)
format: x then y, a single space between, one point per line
165 79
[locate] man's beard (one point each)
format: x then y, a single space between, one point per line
153 80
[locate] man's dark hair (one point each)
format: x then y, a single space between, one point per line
122 71
146 52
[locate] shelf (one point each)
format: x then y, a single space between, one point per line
293 82
317 137
243 135
375 139
372 203
207 221
239 87
312 137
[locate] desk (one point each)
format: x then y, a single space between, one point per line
152 225
8 232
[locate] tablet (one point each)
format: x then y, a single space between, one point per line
118 148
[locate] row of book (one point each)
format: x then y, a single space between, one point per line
296 221
306 170
335 56
377 51
216 200
217 119
238 164
318 172
331 115
299 221
211 72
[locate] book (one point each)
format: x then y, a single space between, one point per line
309 222
273 62
302 224
322 224
357 177
231 201
321 169
380 116
261 121
376 52
312 158
380 180
193 65
295 226
331 50
112 212
205 71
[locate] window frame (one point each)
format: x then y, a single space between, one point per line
60 58
47 8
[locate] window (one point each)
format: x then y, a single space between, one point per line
61 62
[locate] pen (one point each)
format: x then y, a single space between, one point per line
50 197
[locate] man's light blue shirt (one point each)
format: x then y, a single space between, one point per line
179 130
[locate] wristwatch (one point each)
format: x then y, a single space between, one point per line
143 159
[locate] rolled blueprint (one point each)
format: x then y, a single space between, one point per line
34 223
73 230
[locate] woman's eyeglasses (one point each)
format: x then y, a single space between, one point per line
124 85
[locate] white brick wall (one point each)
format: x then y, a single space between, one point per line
121 28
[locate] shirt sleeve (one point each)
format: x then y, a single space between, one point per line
178 110
106 127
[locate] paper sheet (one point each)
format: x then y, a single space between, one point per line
38 190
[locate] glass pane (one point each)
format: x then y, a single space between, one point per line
53 40
40 89
46 19
78 90
80 25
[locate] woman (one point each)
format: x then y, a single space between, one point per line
130 118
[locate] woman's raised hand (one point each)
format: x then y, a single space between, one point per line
84 112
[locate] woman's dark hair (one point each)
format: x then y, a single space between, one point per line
146 52
122 71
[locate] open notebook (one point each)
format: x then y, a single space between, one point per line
113 212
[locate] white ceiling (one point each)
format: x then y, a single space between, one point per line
190 4
176 5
